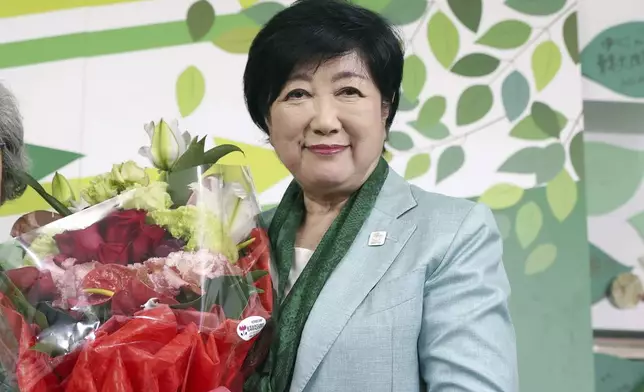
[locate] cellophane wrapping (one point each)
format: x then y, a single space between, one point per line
165 287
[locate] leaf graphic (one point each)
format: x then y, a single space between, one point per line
528 224
411 12
406 105
527 128
515 93
536 7
201 17
501 196
614 176
190 90
561 194
435 132
540 259
449 162
546 62
576 151
263 12
637 222
546 162
247 3
387 156
443 37
473 104
414 76
504 223
546 119
468 12
417 166
570 37
475 65
373 5
429 116
523 161
603 269
237 40
553 160
508 34
45 160
400 141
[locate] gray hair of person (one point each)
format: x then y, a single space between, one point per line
12 147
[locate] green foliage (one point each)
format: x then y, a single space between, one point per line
544 162
637 222
527 129
576 152
237 40
400 141
502 196
468 12
571 37
444 39
508 34
536 7
475 65
261 13
190 90
561 194
414 77
402 15
473 104
546 119
546 62
450 161
200 19
529 221
417 166
429 123
540 258
515 94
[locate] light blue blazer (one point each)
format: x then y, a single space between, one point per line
425 311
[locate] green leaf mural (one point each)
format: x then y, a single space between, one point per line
637 222
201 17
528 224
475 65
417 166
603 269
617 173
46 161
444 40
546 119
406 105
536 7
190 90
237 40
527 129
501 196
602 59
373 5
515 94
414 76
546 62
570 37
450 161
468 12
562 195
261 13
428 123
540 259
508 34
576 151
473 104
544 162
400 141
411 12
504 223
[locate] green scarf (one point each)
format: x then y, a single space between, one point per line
291 312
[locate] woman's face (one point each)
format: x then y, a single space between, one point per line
328 125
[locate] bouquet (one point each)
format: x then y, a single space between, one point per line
151 280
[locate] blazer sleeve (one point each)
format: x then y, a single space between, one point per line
467 341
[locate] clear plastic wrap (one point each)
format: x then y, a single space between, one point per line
164 287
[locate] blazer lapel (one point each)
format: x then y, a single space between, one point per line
356 275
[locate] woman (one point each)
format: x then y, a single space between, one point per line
381 286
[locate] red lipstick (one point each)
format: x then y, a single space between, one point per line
326 149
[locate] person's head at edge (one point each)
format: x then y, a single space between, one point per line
12 148
323 80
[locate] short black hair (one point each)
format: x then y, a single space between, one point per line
315 31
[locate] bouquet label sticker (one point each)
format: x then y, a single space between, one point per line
249 327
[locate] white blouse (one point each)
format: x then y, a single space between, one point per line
302 257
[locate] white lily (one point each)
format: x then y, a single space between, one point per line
167 143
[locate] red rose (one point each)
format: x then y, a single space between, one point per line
113 253
148 239
81 245
122 226
37 285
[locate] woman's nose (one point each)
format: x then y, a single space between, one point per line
325 118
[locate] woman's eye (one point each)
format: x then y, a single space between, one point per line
296 94
351 92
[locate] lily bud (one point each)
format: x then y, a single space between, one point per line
128 173
167 144
62 190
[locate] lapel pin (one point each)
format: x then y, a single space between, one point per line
377 238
